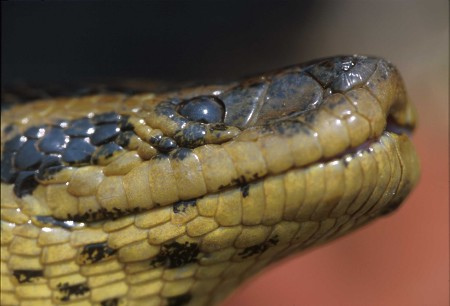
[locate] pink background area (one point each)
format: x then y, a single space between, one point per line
402 259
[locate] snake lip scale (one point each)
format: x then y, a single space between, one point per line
176 198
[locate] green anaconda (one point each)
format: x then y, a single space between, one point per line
177 198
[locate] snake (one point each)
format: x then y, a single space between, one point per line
178 197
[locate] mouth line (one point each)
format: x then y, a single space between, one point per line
391 128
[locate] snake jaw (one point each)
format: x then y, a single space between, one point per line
177 206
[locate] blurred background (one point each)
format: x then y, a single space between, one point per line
402 259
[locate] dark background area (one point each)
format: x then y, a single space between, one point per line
399 260
175 41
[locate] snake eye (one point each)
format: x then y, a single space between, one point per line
205 109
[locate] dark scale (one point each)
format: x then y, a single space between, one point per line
163 144
14 144
25 183
80 128
175 255
78 151
104 133
53 142
60 123
28 157
35 132
111 117
50 164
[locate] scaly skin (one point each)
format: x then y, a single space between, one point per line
151 224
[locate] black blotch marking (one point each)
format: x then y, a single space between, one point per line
123 139
181 153
54 222
176 255
259 248
124 124
25 183
53 142
245 190
110 302
193 135
104 133
182 206
78 151
105 151
218 127
79 128
95 252
27 276
179 300
240 180
28 157
69 290
102 213
111 117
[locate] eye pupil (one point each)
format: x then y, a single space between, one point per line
206 109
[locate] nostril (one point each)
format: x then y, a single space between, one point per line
393 127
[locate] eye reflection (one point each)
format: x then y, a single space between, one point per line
205 109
